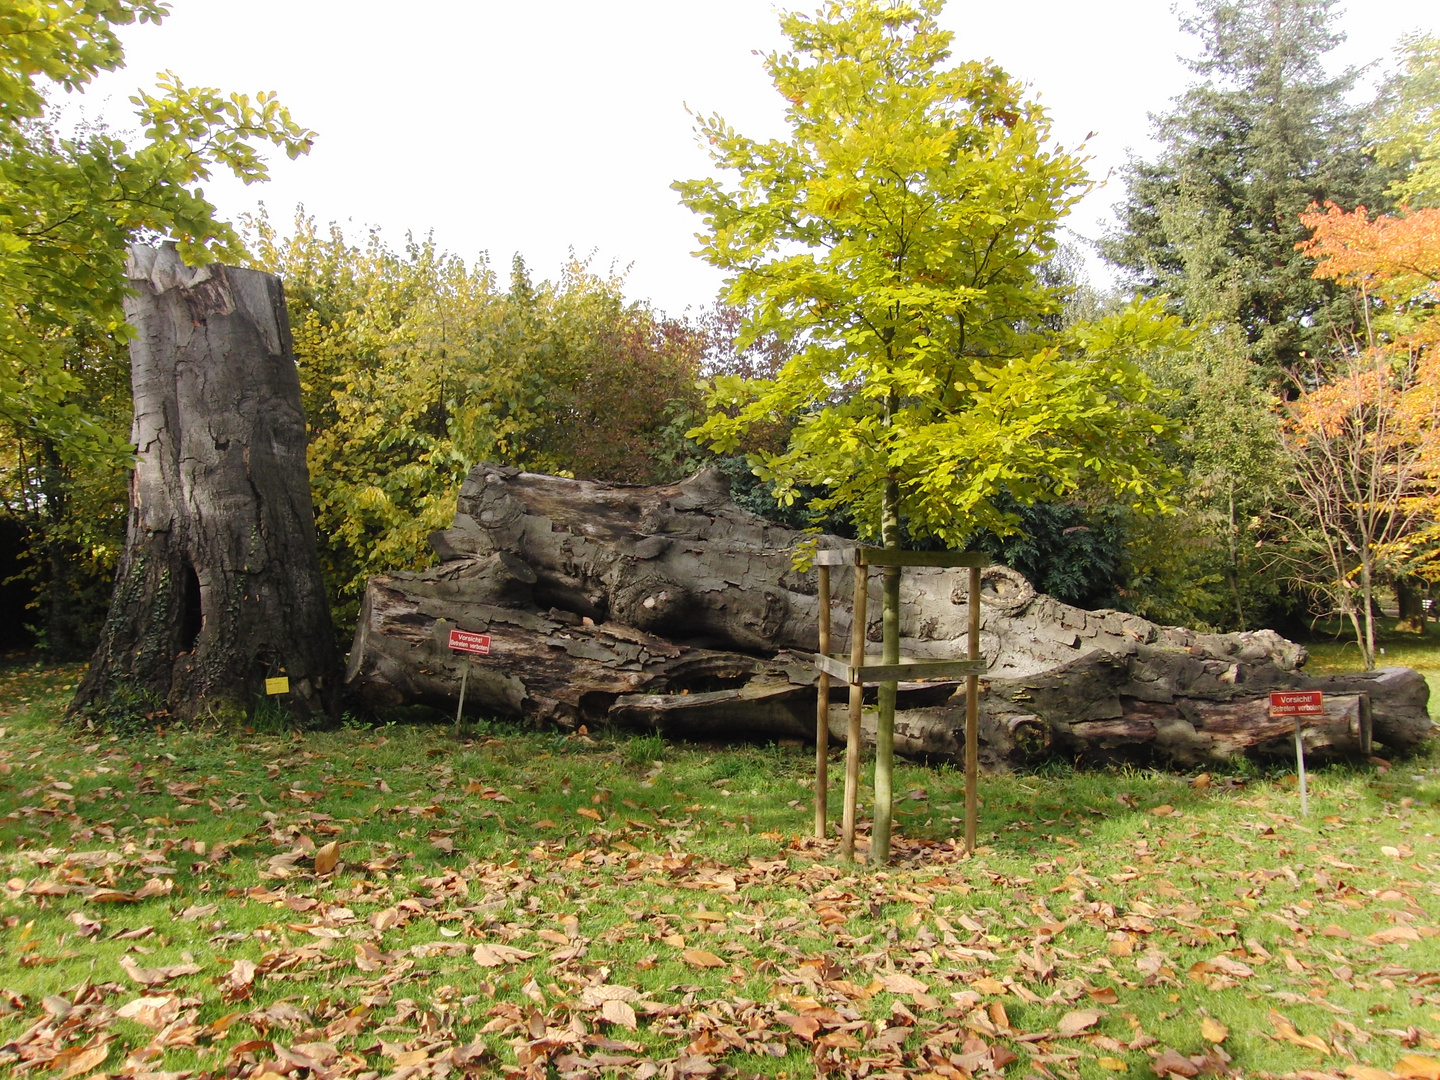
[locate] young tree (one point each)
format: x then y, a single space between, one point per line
894 238
1366 440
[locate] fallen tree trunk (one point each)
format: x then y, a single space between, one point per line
670 608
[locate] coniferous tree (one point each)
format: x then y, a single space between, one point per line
1265 133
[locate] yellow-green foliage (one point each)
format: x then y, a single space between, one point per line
416 366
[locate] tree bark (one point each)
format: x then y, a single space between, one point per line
1410 603
219 586
669 608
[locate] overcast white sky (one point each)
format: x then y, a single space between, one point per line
539 126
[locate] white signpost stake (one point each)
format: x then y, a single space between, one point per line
1298 703
468 644
1299 767
460 708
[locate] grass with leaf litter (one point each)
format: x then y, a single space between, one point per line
394 902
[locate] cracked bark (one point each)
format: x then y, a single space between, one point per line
671 608
219 585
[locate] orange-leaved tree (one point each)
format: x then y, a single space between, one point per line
1365 433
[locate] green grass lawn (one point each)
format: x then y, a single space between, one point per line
396 902
1334 650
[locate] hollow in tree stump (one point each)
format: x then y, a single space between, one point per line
219 586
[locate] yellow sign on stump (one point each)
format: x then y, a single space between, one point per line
277 686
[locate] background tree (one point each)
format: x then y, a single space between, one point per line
1264 134
1366 439
895 239
415 366
70 202
1406 128
1212 223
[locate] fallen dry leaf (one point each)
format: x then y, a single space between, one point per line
1172 1062
150 1012
242 973
498 955
1416 1067
701 958
1211 1030
82 1060
1110 1064
1392 934
1367 1072
897 982
1073 1023
156 976
327 857
618 1012
1285 1031
585 811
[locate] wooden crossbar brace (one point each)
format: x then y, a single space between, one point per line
858 673
873 671
873 556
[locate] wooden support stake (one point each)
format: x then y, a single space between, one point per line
972 719
822 713
853 733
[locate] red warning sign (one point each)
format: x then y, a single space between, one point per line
466 642
1297 703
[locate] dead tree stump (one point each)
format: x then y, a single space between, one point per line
219 586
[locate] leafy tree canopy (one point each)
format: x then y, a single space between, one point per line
894 240
70 203
1214 220
415 366
1406 129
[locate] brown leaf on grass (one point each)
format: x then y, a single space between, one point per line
1073 1023
1163 810
1211 1030
77 1060
597 996
990 986
804 1027
1172 1062
701 958
1110 1064
1104 995
1417 1067
151 1012
897 982
592 814
1232 967
998 1016
1285 1031
1367 1072
158 975
327 858
498 955
87 926
618 1012
242 973
1392 934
